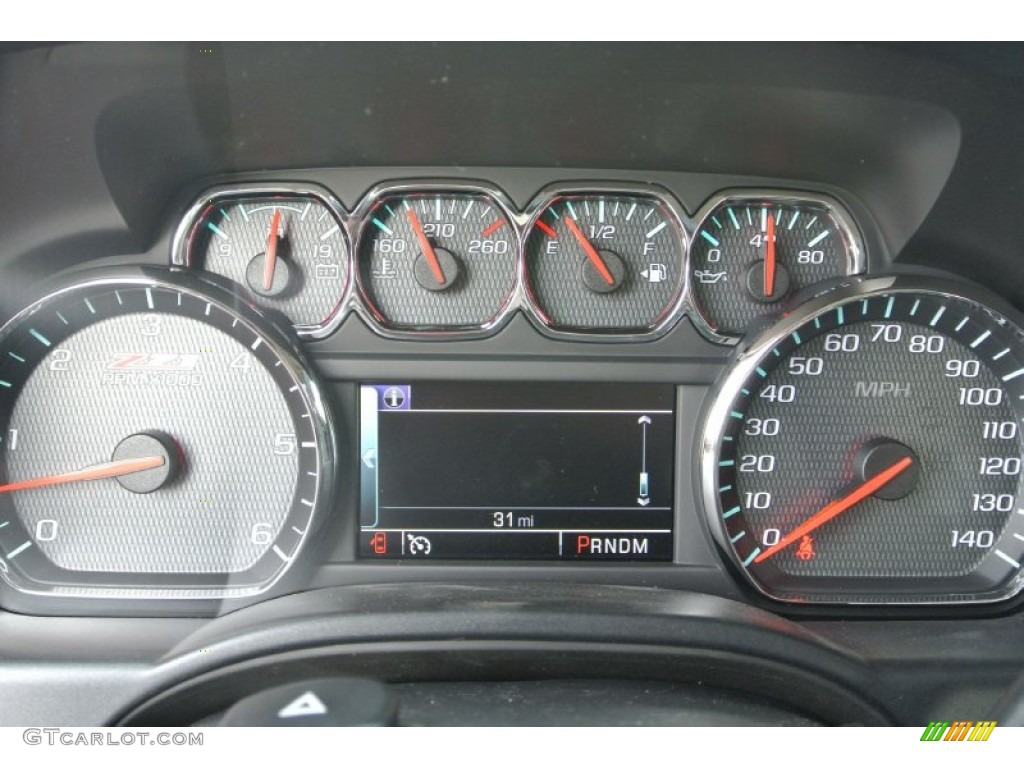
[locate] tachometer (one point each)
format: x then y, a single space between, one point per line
868 449
156 442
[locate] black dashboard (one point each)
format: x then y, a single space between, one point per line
637 384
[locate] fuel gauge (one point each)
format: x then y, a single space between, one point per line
605 263
285 248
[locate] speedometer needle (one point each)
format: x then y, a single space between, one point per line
769 258
268 269
95 472
592 254
837 507
426 247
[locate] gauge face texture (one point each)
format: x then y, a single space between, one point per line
437 261
605 263
286 251
872 453
153 442
750 254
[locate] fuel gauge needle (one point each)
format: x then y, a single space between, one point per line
268 269
426 247
769 257
591 251
837 507
95 472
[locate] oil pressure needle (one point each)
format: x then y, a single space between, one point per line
769 257
268 269
837 507
95 472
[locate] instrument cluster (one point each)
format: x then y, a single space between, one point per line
165 435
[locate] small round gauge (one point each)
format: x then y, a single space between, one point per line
605 263
753 251
868 449
286 249
154 442
437 261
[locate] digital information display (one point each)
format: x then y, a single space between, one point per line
516 471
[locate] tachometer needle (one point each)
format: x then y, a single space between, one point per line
837 507
592 254
268 269
95 472
426 247
769 257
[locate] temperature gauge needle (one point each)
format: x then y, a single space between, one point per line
837 507
769 257
268 269
96 472
592 254
426 247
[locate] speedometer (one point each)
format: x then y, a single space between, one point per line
868 449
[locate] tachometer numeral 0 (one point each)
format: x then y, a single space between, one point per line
46 530
973 539
771 537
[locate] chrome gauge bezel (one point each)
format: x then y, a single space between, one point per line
359 228
68 598
852 239
186 234
750 353
677 218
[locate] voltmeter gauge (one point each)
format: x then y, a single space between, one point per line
284 247
752 251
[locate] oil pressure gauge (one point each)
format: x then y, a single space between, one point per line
284 247
754 250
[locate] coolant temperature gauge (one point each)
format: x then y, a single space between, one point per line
751 252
